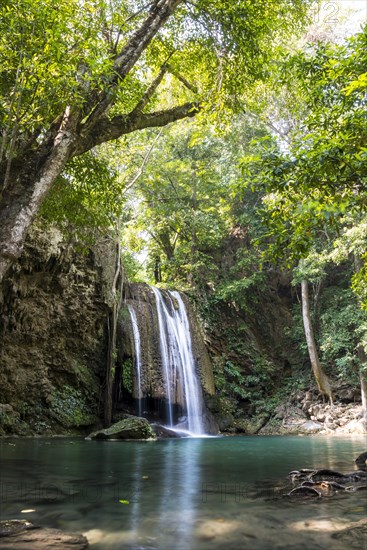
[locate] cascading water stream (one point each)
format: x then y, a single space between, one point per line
161 312
137 347
178 363
191 386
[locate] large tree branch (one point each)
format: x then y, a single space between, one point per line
128 57
107 130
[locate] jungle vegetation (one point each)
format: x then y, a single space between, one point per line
172 126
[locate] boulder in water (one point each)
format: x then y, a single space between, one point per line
133 427
162 432
328 475
361 461
304 492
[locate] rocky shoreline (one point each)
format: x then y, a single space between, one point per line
305 413
322 419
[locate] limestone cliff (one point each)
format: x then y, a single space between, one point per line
53 308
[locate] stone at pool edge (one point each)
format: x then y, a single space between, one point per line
133 427
19 534
361 461
164 433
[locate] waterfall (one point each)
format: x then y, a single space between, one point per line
192 390
178 364
164 327
137 348
171 367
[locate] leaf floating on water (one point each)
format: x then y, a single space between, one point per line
124 501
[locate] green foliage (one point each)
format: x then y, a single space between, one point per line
229 380
234 387
127 375
182 210
86 199
343 328
242 285
48 56
70 408
313 183
52 57
57 59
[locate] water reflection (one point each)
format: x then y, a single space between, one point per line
200 493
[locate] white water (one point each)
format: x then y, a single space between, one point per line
137 347
163 343
178 363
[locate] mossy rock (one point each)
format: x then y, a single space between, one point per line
129 428
253 425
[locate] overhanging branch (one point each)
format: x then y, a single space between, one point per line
107 130
127 58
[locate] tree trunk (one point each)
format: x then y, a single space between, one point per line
322 380
20 201
27 176
157 270
193 246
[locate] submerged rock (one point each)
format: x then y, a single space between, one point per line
329 475
14 526
304 491
354 536
361 461
16 534
133 427
164 433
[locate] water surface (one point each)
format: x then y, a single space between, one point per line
203 493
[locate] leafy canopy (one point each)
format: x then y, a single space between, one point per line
57 55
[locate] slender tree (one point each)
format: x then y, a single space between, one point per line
321 378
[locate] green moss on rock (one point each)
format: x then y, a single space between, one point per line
129 428
70 409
